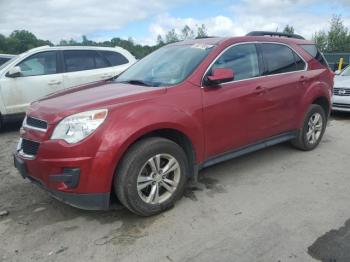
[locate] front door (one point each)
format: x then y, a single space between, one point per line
39 77
234 111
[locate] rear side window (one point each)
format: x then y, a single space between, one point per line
280 59
80 60
3 60
242 59
114 58
313 51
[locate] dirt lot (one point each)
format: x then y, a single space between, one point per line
277 204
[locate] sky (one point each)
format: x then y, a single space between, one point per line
144 20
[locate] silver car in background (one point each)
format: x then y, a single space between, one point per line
341 94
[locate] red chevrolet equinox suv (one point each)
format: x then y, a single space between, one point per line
184 107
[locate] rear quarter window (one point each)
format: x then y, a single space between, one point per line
115 58
315 53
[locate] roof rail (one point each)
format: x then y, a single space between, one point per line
203 37
267 33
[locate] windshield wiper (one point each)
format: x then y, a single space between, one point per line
136 82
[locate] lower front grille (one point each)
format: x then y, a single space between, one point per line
30 147
341 105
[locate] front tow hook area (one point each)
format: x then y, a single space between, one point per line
70 177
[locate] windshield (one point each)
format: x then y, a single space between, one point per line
346 71
169 65
6 63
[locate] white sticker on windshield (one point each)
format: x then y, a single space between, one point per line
202 46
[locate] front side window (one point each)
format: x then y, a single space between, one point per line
242 59
280 59
39 64
80 60
169 65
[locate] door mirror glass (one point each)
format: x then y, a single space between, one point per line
14 72
220 75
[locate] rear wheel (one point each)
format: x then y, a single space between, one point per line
310 135
151 176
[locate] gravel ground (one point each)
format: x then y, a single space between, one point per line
278 204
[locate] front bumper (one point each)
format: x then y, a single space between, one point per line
341 103
87 201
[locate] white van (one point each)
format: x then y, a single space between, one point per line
44 70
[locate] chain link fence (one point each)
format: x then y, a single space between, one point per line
334 58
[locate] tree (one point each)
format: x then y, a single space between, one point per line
288 29
171 37
160 41
202 31
338 36
187 33
320 39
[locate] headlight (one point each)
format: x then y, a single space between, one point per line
76 127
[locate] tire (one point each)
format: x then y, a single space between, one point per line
147 168
307 139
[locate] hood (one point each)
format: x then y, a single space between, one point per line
93 96
342 81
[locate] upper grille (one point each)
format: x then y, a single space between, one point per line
30 147
341 91
35 123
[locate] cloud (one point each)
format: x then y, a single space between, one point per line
64 19
252 15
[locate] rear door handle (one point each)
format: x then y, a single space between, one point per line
54 82
106 76
259 90
303 79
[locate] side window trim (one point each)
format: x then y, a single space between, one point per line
257 44
57 63
224 51
294 52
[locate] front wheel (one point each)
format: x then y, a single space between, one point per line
151 176
310 135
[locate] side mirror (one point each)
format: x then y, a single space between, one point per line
337 72
14 72
220 75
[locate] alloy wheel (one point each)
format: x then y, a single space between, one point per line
315 127
158 179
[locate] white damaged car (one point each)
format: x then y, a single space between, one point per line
341 93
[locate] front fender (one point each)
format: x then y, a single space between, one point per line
132 123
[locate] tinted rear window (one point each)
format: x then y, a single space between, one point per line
3 60
114 58
80 60
313 51
280 59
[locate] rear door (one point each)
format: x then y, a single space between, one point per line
83 67
40 76
284 80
